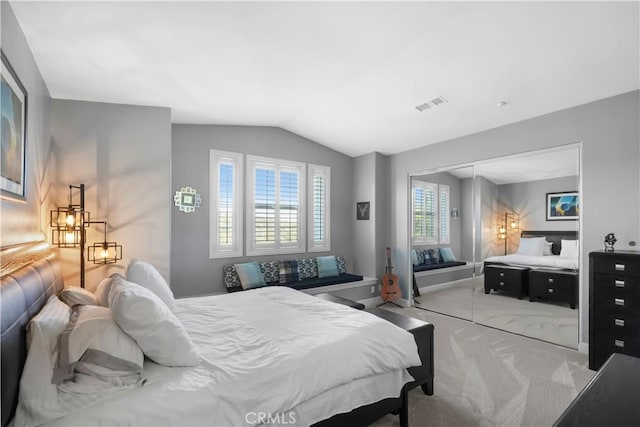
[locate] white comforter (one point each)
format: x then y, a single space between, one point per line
546 261
269 350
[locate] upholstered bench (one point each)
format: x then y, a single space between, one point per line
307 273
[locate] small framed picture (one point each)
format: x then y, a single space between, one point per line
362 210
563 206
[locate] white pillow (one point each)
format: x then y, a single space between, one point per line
569 249
93 344
145 275
547 248
38 400
158 332
533 246
77 296
103 288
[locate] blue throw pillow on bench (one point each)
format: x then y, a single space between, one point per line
327 266
250 275
447 255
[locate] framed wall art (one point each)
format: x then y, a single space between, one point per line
563 206
362 210
13 138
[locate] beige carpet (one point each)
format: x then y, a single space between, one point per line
554 322
487 377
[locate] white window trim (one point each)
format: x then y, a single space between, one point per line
447 217
279 165
323 245
216 157
426 186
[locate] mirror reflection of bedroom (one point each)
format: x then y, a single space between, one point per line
515 219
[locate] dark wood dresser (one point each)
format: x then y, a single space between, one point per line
614 305
612 398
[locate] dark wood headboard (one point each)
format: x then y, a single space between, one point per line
30 274
552 236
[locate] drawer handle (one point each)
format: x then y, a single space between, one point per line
619 343
501 274
619 267
550 290
619 322
501 283
550 280
619 283
619 301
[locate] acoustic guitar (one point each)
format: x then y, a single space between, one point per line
390 289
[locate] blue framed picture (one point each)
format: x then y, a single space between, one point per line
564 206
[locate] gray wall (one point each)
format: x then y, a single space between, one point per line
23 222
383 212
528 200
364 231
370 183
192 272
608 130
122 153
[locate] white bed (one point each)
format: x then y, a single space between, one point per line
271 351
547 262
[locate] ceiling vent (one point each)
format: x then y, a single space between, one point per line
431 103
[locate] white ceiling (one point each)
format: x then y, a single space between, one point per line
526 167
346 75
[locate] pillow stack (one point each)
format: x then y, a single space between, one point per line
101 338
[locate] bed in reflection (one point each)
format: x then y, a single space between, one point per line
544 268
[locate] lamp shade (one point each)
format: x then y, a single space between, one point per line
104 252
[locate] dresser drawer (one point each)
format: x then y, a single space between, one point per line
620 292
623 340
618 266
553 285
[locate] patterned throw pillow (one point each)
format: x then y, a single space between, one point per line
231 279
342 264
289 271
420 255
431 256
271 271
307 268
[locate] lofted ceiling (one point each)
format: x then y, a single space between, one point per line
348 75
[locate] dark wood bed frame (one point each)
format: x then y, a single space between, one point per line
30 274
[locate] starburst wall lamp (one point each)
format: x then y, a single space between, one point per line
68 230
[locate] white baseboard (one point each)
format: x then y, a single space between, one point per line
431 288
583 347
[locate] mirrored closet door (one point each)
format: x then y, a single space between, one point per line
513 223
442 223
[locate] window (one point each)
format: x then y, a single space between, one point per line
225 220
444 232
275 208
430 216
319 233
